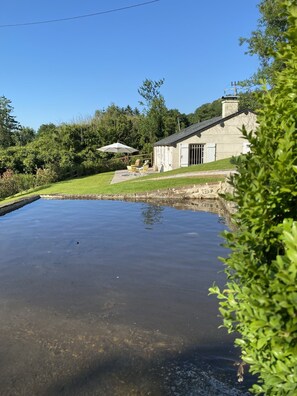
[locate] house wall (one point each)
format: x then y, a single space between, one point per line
163 157
227 138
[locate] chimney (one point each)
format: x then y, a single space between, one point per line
229 105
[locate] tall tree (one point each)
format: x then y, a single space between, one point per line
8 123
150 91
152 125
264 41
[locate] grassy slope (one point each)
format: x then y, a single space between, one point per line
100 184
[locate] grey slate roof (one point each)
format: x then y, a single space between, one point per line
194 129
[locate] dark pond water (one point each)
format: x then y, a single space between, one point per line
111 298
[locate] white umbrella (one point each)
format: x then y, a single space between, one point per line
117 148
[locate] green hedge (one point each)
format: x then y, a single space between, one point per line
12 183
259 300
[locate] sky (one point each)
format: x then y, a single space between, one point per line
63 71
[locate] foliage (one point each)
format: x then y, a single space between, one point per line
247 100
259 300
23 136
151 125
264 41
45 176
150 91
24 181
8 124
13 158
116 124
157 121
206 111
250 100
7 184
11 183
69 150
46 129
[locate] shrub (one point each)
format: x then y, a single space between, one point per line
260 298
45 176
8 185
12 183
24 181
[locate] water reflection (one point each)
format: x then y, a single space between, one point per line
152 214
119 313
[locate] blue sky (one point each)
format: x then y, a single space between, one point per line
64 71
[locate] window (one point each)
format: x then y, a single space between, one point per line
196 154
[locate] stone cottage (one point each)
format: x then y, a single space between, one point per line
206 141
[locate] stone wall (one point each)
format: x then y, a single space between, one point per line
199 191
203 197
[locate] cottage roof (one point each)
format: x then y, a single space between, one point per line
195 128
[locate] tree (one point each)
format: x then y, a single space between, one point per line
152 124
250 100
247 100
174 121
259 300
46 129
23 136
206 111
8 123
264 41
116 124
150 91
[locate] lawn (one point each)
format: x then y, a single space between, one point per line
100 183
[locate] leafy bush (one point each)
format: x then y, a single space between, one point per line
45 176
11 183
24 181
8 185
260 298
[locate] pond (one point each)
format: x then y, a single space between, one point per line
111 298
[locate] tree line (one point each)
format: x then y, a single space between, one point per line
69 149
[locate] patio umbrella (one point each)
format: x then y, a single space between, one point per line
117 148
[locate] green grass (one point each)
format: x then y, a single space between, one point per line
224 164
100 184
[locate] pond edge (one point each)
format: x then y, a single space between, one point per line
193 197
11 206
